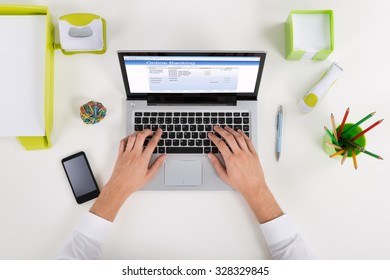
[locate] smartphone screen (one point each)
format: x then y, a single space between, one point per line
80 177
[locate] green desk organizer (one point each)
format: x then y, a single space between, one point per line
294 54
39 142
80 20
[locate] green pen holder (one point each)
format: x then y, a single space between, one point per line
361 141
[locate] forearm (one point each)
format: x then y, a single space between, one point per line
263 204
109 202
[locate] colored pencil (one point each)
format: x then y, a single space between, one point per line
337 153
360 149
344 156
372 154
333 146
330 135
367 129
354 159
334 127
343 123
359 122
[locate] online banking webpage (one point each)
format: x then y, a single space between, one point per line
170 74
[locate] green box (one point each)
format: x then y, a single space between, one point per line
309 34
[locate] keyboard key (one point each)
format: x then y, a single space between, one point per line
245 114
184 114
195 135
206 114
191 142
154 114
198 143
236 114
169 127
192 127
184 150
176 114
201 127
202 135
146 114
237 120
145 120
168 120
207 150
138 127
191 114
168 142
206 142
176 142
161 150
245 120
172 135
214 114
161 114
183 120
179 135
246 128
183 142
160 120
185 127
138 114
229 120
214 150
154 127
187 135
178 127
137 120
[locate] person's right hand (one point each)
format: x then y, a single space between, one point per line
242 169
243 172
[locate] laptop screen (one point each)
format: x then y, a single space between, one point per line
192 73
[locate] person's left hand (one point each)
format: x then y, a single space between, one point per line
131 172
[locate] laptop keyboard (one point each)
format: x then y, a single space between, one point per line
186 132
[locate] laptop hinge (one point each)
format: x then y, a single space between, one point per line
229 99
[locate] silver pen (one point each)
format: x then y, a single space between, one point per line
279 128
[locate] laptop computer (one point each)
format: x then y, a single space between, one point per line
186 94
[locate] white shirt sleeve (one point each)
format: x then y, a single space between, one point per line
283 240
87 240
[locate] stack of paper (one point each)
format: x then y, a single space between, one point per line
22 75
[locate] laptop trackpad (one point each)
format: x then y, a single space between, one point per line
183 172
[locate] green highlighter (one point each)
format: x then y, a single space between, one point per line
318 91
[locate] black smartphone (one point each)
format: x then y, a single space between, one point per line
80 177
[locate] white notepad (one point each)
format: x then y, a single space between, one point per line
22 75
311 32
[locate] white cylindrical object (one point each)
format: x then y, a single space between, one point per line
318 91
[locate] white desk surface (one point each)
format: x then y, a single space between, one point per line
342 213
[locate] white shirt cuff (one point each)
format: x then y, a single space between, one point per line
278 229
94 227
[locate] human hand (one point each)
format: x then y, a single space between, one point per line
131 172
242 169
243 172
